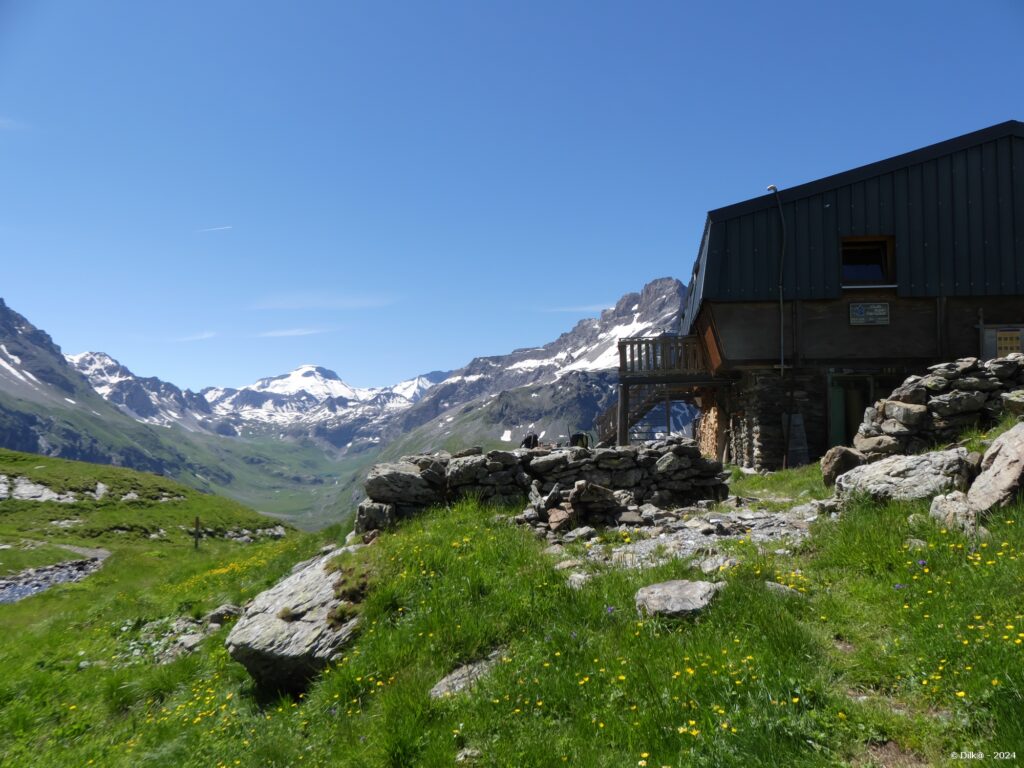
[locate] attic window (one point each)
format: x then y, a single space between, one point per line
868 262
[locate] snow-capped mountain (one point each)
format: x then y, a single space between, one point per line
589 352
317 401
314 402
146 399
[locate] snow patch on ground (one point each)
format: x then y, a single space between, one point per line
506 436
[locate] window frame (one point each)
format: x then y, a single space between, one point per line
890 260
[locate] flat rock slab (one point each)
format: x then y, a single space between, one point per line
1002 472
907 477
464 677
285 635
676 599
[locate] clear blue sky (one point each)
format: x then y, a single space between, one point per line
217 191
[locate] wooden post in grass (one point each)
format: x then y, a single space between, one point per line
197 534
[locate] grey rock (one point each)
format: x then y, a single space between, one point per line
464 677
1003 367
953 510
979 383
907 477
782 589
372 515
935 384
630 517
583 533
916 545
285 636
671 463
222 613
466 470
716 563
957 402
400 483
912 391
542 465
896 428
1013 402
909 414
1002 472
676 598
578 580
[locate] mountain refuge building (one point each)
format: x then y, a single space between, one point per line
808 303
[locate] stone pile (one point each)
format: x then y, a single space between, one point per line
938 406
565 486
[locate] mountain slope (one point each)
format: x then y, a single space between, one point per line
578 367
48 407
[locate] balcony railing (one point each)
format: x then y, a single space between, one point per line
662 355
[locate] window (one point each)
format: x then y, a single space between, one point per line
867 261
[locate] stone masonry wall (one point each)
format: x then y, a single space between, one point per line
759 400
938 406
569 483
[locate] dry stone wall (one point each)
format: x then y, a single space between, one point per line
563 485
756 436
937 407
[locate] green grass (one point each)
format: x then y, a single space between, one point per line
779 490
922 648
31 554
979 438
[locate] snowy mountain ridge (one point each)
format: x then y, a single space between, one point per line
313 401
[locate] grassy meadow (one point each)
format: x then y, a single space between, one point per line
893 652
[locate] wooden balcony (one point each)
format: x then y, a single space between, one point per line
663 359
652 371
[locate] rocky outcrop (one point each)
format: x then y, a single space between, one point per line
565 486
936 407
675 599
908 477
290 632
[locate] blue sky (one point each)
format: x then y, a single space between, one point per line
218 191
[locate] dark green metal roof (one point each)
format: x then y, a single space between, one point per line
955 211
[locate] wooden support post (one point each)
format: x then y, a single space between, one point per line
668 416
622 429
198 533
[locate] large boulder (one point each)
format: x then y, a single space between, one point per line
1002 472
676 598
401 483
290 632
838 460
908 477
